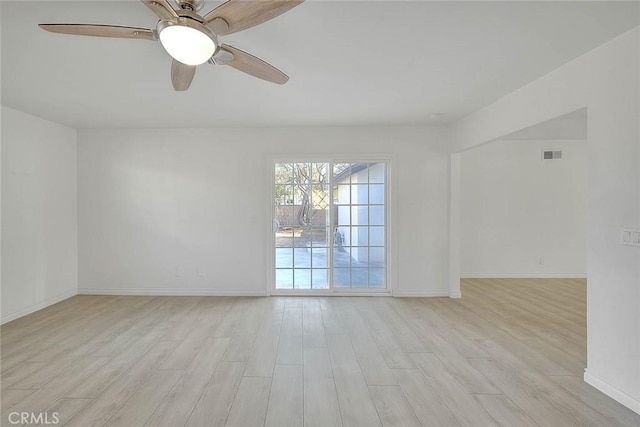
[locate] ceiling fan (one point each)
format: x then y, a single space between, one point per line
191 39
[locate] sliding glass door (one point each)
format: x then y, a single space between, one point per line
329 226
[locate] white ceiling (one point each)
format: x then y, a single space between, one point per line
350 62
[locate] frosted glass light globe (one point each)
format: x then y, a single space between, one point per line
186 44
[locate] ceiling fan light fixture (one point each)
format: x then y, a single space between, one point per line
187 41
191 39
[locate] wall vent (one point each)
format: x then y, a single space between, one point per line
551 155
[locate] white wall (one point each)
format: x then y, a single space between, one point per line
1 149
39 213
185 211
605 81
522 216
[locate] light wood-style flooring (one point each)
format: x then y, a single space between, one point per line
510 353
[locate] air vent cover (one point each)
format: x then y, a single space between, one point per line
551 155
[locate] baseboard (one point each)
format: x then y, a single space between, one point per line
612 391
256 293
21 313
455 295
523 276
430 293
171 292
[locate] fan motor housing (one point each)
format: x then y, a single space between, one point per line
194 5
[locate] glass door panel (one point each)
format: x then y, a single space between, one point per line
329 225
358 253
301 225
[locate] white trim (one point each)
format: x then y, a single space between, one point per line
359 291
429 293
325 293
301 292
392 207
171 292
454 226
36 307
612 391
523 276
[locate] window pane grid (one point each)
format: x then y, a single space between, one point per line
360 200
332 225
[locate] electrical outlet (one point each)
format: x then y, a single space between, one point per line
630 236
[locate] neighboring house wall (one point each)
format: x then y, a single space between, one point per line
606 81
185 210
39 213
522 216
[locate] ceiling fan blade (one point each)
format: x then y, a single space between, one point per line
251 65
162 8
182 75
100 31
243 14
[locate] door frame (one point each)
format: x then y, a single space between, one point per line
390 223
